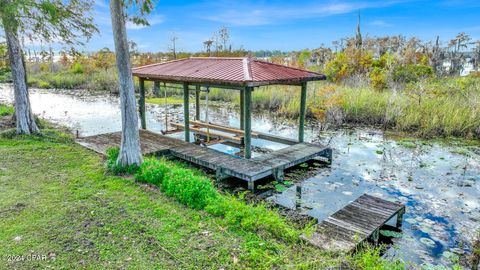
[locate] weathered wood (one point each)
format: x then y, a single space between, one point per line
237 140
186 112
248 122
223 128
141 103
303 107
249 170
355 223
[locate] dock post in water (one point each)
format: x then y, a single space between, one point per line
248 122
298 197
303 107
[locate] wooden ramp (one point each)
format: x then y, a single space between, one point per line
357 222
223 164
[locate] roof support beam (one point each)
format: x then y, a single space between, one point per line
248 122
303 107
141 103
197 103
242 110
186 109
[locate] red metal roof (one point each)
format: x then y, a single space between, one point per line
239 71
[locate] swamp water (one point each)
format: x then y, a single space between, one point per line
439 183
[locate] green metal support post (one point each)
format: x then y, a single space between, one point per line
186 112
303 107
141 103
242 110
197 103
248 122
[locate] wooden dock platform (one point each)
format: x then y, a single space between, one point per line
357 222
223 164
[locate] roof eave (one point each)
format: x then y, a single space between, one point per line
238 84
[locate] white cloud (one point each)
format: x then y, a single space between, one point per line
262 15
379 23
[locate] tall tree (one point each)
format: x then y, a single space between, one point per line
45 20
130 153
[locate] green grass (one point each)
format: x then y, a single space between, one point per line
170 100
57 201
6 110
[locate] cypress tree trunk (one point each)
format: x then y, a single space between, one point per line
130 146
25 122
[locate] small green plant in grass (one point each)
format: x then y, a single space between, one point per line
113 167
151 171
6 110
370 258
194 191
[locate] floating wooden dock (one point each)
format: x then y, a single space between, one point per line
357 222
223 164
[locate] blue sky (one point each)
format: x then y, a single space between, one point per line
290 25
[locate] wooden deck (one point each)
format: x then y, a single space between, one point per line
223 164
355 223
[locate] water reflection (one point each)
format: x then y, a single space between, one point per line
440 185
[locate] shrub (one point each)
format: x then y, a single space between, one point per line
151 171
112 165
77 68
252 218
198 192
378 78
411 73
43 84
194 191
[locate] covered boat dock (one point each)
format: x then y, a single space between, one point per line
241 75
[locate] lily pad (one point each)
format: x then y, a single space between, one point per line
388 233
280 188
428 242
411 220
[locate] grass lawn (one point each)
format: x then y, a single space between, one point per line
57 201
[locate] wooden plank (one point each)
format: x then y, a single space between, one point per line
222 128
237 140
356 222
245 169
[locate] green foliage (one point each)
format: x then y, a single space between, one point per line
378 78
46 135
370 258
337 68
43 84
189 189
116 169
6 110
77 68
152 171
49 20
411 73
252 218
198 192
